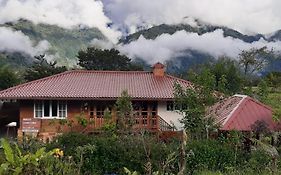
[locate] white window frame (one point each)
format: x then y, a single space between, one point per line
50 109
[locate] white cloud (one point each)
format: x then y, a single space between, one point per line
16 41
247 16
102 44
64 13
168 46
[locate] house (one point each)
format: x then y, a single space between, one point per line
86 93
240 112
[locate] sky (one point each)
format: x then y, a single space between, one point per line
247 16
115 18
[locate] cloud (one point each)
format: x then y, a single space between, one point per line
16 41
102 44
168 46
64 13
246 16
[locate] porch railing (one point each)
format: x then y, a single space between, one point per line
151 123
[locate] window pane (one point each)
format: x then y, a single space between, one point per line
38 108
170 106
62 109
54 108
47 108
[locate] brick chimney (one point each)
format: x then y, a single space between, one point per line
158 70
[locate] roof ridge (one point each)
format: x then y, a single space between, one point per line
234 109
254 99
259 103
182 80
108 71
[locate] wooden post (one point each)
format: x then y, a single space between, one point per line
157 122
182 153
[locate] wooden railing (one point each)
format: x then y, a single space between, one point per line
151 123
164 126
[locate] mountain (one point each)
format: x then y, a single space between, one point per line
190 57
156 31
64 43
276 36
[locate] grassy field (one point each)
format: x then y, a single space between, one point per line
274 101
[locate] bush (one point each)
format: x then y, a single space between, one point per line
69 142
210 155
40 162
259 161
112 154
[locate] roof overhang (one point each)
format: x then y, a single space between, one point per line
85 98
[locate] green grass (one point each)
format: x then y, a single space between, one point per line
274 101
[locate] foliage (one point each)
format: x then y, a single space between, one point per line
42 68
40 162
223 75
8 77
274 80
210 154
124 112
98 59
105 154
69 142
227 75
193 102
82 121
254 60
260 127
263 91
109 126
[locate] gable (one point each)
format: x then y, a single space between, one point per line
240 112
247 114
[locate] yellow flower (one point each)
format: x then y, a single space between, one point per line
58 153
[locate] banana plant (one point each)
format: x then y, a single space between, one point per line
16 161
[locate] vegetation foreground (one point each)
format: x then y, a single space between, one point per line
110 153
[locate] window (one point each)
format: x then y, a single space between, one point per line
171 106
50 109
38 110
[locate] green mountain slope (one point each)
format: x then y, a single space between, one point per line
64 43
156 31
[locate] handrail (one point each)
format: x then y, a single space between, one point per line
164 126
147 122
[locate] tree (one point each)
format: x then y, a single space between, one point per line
254 60
274 79
97 59
227 74
193 102
42 68
223 75
263 90
8 77
124 112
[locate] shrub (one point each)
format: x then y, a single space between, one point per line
111 154
69 142
259 161
210 155
40 162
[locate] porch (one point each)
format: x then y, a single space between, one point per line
145 116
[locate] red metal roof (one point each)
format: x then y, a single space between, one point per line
240 112
82 84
